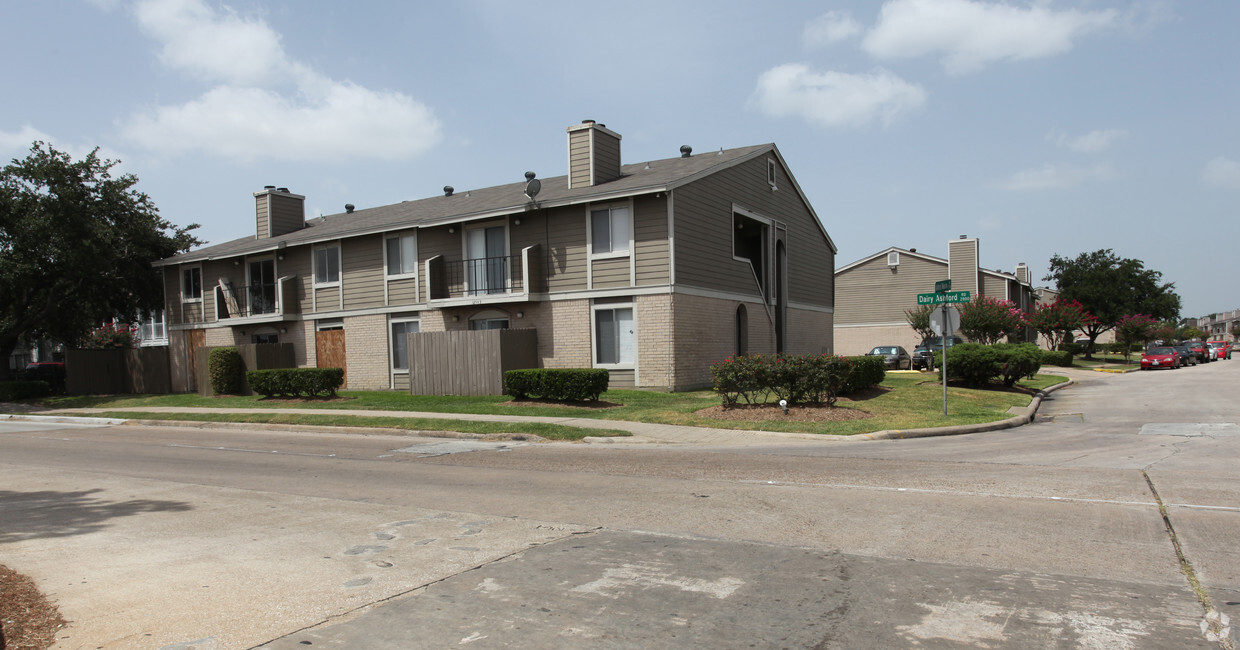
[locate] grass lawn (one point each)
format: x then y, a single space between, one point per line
906 402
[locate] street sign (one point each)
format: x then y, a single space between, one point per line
940 298
942 286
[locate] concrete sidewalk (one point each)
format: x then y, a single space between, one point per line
642 432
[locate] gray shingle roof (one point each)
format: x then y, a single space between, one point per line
465 205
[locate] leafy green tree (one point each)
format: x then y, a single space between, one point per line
1057 320
76 247
1191 334
989 320
919 320
1110 287
1235 332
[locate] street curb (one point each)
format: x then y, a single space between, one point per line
62 419
1022 419
1116 370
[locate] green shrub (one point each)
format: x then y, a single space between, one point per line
803 379
1074 349
226 371
26 389
978 365
293 382
559 384
1059 358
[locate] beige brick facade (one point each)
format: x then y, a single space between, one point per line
366 351
853 341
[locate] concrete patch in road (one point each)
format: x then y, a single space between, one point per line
426 450
1191 429
640 590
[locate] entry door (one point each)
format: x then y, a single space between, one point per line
329 351
487 265
263 287
194 341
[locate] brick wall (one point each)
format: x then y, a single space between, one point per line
853 341
811 332
366 352
653 316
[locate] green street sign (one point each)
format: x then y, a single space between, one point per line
940 298
942 286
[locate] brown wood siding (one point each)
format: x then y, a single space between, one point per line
438 242
361 271
611 273
606 158
579 158
873 293
298 262
287 214
650 240
402 292
172 294
962 256
216 270
262 222
566 249
327 299
703 232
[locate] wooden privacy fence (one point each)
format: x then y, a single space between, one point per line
123 371
470 362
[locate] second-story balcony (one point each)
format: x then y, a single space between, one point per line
255 303
485 280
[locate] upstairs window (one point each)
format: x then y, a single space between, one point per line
327 265
772 173
402 259
609 230
191 284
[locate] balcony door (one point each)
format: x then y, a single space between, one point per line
486 264
262 287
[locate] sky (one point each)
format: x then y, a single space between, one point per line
1042 128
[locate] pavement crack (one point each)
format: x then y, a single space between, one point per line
1212 625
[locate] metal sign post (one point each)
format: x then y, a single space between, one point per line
947 330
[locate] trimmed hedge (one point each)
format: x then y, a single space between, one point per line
1060 358
977 364
559 384
292 382
817 379
24 389
226 370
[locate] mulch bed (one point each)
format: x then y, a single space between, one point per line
28 620
766 412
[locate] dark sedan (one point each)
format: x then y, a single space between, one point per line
1187 358
896 356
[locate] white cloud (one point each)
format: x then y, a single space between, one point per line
971 34
1222 172
16 144
1093 142
266 104
831 27
835 98
1057 177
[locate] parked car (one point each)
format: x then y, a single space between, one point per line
1160 357
896 356
1187 358
1200 349
923 354
1223 347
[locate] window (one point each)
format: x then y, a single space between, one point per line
771 169
268 337
327 265
609 230
191 284
486 261
613 336
152 328
400 347
742 331
401 257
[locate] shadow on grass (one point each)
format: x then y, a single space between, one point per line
49 514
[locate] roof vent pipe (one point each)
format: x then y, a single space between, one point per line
685 151
269 187
283 189
348 208
448 190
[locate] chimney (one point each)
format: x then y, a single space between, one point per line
1022 273
278 212
963 265
593 154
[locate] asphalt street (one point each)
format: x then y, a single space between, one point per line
1047 535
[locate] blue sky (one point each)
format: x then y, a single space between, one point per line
1040 127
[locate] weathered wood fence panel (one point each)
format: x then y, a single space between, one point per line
122 371
470 362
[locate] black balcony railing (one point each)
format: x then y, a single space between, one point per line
482 276
246 301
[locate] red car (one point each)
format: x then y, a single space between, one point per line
1223 347
1200 350
1160 357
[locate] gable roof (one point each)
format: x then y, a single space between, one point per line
929 258
489 202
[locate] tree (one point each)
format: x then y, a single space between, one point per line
1134 328
919 320
76 247
989 320
1110 287
1057 320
